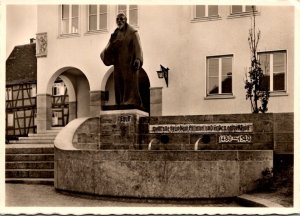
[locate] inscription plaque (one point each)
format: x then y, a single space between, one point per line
202 128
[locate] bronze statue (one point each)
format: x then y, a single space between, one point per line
125 53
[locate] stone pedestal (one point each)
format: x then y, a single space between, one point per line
119 129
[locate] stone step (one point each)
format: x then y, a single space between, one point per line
38 138
44 181
32 150
55 129
34 141
29 165
29 157
52 133
29 173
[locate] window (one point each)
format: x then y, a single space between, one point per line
219 75
131 11
236 9
8 95
34 118
274 66
33 90
206 11
10 119
97 17
69 19
58 89
55 118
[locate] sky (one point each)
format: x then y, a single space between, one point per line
21 25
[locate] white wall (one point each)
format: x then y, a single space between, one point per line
169 38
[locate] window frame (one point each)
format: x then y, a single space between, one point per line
98 29
127 13
243 13
220 94
33 90
271 70
206 17
61 89
9 94
70 17
13 120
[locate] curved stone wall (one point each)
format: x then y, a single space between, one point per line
154 173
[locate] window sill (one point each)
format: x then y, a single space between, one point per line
95 32
213 97
243 14
41 55
278 94
62 36
205 19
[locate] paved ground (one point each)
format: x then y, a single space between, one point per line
46 196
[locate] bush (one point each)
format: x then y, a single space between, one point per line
266 182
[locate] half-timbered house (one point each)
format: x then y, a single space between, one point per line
21 77
21 89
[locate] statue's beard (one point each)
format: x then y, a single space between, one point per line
121 26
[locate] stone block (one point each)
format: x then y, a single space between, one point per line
95 97
106 139
155 109
229 118
209 147
263 137
242 146
155 95
255 155
284 137
263 126
284 147
79 178
250 172
95 110
86 146
263 146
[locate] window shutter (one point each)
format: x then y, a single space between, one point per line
75 18
103 17
92 17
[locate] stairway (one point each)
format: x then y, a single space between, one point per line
31 159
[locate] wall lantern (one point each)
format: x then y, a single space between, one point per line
163 73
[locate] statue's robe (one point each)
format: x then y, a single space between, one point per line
122 50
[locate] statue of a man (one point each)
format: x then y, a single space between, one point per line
125 53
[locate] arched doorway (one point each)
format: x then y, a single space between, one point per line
70 93
144 88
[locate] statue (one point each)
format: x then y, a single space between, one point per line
125 53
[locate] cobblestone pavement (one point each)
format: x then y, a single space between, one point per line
21 195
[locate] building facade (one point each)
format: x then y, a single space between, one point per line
205 48
21 91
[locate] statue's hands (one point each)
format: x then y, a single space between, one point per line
137 64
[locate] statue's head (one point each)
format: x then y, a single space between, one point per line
121 20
